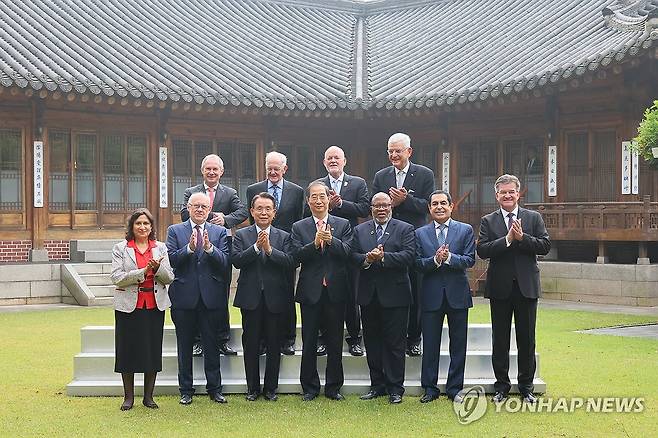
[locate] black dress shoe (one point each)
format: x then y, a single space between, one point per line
197 349
126 405
226 350
413 350
395 399
218 397
308 396
185 399
150 404
337 396
356 350
428 397
288 350
252 396
498 397
457 398
271 396
262 350
530 398
322 350
372 394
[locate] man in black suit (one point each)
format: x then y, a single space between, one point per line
512 237
198 253
348 199
263 254
384 250
227 211
289 199
322 244
409 185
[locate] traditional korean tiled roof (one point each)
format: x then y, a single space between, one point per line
313 54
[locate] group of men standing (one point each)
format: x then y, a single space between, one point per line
395 273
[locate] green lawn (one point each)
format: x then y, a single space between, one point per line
37 363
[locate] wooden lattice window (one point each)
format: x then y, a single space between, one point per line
11 170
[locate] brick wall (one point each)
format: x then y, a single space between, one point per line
14 250
57 249
18 250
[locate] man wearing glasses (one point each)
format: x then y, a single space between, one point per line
199 255
384 251
225 210
409 185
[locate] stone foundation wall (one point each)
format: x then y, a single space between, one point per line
31 283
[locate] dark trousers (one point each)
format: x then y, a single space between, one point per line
290 317
384 333
414 326
457 332
188 323
525 318
225 327
352 316
259 324
331 315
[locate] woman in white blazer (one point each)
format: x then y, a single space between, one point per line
140 271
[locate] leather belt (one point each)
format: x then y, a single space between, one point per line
145 289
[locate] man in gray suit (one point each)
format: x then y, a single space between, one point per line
227 211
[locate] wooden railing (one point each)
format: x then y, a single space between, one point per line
601 221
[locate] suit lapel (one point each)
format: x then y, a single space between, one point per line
500 223
431 235
450 233
131 253
392 181
387 233
409 179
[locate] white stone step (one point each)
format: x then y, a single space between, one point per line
93 268
103 291
98 339
237 386
94 244
100 366
96 279
96 256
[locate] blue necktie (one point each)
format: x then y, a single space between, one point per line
380 232
440 237
275 194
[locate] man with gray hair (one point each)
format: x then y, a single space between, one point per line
511 238
289 200
225 210
409 185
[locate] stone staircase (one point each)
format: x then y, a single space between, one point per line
88 280
94 375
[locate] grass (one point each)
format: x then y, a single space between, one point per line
37 363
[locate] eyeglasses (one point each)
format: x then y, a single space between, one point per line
266 209
507 192
198 206
396 151
381 206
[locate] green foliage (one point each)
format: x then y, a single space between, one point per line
647 133
37 362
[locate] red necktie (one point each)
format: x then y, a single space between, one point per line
211 195
199 241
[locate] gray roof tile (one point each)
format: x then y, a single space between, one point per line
301 54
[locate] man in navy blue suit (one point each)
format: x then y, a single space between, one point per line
445 248
198 253
409 185
384 250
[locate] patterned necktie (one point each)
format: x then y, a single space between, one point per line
440 236
275 195
510 220
199 241
211 195
380 232
399 180
335 185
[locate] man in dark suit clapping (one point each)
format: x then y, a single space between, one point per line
263 254
321 243
289 199
348 199
512 238
384 249
445 249
409 185
225 210
198 253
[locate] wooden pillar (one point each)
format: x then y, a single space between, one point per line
35 215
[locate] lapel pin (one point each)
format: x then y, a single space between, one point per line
372 232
